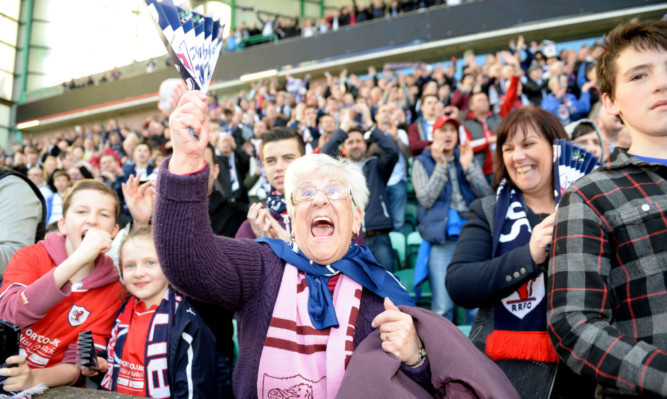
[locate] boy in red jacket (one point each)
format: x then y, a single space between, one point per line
62 286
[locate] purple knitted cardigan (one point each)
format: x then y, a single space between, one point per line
240 275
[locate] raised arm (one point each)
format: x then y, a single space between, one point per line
387 160
196 261
331 146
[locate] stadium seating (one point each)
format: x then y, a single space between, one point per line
398 244
410 218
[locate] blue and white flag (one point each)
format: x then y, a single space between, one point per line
192 40
570 164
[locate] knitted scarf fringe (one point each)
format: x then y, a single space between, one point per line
520 345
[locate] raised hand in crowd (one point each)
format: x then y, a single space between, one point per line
470 60
512 44
388 74
587 86
107 175
190 115
466 157
392 128
520 42
438 152
452 111
367 120
400 79
343 76
140 200
510 58
298 111
264 225
248 148
347 118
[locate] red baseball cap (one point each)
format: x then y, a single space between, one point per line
440 122
115 155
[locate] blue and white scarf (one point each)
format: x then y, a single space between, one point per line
520 318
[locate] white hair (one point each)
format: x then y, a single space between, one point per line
347 170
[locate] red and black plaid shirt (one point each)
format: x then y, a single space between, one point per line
607 306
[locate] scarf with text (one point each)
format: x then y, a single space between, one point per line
299 360
520 318
156 375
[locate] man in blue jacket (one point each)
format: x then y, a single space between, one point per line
565 105
377 170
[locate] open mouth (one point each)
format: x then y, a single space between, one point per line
449 145
83 234
322 226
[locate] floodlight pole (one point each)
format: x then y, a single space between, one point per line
232 20
27 33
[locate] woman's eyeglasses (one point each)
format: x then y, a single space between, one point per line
332 191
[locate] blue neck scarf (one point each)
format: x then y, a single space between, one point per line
358 264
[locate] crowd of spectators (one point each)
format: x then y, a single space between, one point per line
108 76
521 75
403 101
275 26
422 116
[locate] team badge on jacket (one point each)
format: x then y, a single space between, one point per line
526 298
77 315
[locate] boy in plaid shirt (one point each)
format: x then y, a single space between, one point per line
607 306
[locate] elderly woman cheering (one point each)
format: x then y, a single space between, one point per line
302 308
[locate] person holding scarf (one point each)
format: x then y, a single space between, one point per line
500 263
446 181
303 307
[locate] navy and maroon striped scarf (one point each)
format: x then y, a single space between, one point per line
156 375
